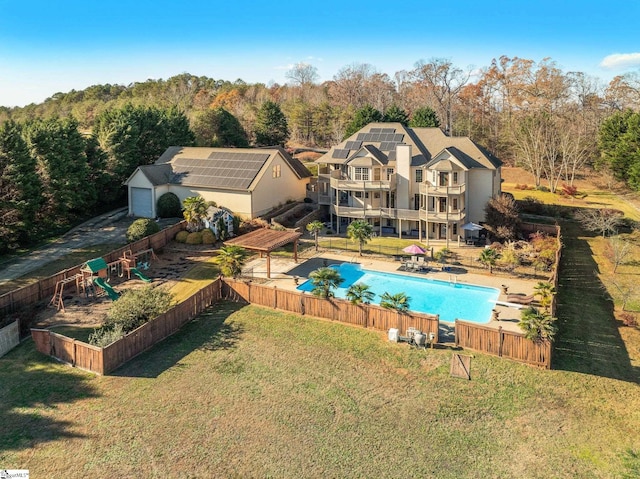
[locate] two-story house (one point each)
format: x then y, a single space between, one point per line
411 181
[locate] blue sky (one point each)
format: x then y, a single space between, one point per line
48 47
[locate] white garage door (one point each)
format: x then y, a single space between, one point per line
141 203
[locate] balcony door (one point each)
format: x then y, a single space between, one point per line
443 179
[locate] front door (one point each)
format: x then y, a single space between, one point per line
443 231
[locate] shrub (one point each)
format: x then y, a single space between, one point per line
132 310
629 319
194 238
140 228
569 190
208 237
181 237
169 206
103 337
542 188
136 307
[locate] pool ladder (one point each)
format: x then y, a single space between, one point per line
453 279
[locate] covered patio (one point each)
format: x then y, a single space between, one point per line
266 240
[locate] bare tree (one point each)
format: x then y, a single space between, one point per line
601 220
619 251
444 82
349 86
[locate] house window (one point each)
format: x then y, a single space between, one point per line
455 228
376 195
389 173
455 177
416 201
418 176
358 194
276 171
361 174
454 204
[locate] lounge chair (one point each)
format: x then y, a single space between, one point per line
519 298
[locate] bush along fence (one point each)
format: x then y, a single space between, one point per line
505 344
43 289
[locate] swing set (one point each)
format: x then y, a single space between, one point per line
94 276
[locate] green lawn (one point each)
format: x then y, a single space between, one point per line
250 392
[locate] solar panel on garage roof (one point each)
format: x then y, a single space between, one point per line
353 145
220 170
340 154
387 130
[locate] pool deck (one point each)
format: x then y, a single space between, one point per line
286 274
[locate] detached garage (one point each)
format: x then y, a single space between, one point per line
247 181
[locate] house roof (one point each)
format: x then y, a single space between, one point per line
381 140
216 168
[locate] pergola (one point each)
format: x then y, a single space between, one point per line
266 240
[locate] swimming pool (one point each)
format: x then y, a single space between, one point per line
432 296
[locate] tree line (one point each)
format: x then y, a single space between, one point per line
68 156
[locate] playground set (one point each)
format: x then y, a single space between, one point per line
93 279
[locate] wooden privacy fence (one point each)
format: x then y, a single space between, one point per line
104 360
44 288
363 315
505 344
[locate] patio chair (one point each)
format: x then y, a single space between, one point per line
519 299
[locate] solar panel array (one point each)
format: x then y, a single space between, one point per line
374 137
382 130
353 145
220 170
340 154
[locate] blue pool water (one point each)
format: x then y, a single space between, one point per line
451 301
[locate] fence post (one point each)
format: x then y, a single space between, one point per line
501 336
275 297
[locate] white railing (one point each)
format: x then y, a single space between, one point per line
429 189
343 183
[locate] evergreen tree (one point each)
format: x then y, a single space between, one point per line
271 126
396 114
424 117
59 149
133 136
218 128
365 115
619 143
20 196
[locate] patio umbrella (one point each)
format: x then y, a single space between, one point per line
414 249
471 227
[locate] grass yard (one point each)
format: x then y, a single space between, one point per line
250 392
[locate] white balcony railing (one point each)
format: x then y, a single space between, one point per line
429 189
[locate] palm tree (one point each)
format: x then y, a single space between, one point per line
314 228
324 281
398 301
537 325
360 293
195 211
231 259
546 291
360 231
489 257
